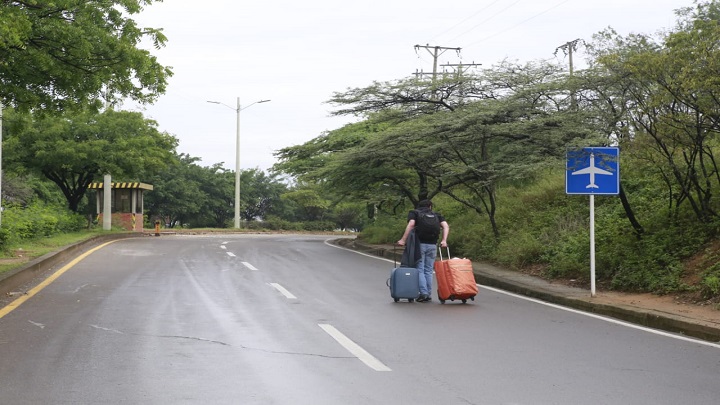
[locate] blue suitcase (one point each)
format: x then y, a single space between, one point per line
404 283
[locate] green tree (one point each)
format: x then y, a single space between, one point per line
57 55
348 215
177 196
76 149
322 162
608 99
310 200
674 97
218 186
413 96
519 120
259 193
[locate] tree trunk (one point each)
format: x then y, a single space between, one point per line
639 230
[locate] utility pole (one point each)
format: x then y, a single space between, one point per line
436 51
568 49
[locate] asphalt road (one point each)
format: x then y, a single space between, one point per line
289 319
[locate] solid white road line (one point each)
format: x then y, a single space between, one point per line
283 291
611 320
354 348
249 266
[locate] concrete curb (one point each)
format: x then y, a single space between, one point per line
571 297
13 280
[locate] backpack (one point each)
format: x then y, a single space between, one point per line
427 225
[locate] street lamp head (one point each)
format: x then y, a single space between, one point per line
238 107
222 104
251 104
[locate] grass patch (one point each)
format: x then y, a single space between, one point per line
17 254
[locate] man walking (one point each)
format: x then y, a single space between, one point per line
428 225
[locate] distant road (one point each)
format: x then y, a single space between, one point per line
291 319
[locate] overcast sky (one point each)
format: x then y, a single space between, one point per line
298 53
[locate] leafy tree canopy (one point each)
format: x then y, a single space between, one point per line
177 195
667 88
260 193
65 53
78 148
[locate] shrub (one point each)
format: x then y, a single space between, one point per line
383 231
38 220
710 283
519 250
711 286
318 226
4 237
275 224
469 238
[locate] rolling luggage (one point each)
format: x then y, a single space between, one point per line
455 279
404 283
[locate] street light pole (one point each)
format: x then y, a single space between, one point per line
237 166
237 153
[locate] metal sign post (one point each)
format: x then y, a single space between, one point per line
591 171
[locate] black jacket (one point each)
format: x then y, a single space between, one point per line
411 255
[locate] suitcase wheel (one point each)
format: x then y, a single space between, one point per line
397 299
464 301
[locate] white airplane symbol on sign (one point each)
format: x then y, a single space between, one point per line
592 171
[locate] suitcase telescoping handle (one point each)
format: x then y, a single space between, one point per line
394 255
440 250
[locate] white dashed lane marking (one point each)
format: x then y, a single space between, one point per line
283 291
354 348
249 266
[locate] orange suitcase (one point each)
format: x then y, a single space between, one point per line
455 279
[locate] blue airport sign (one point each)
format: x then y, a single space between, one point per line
594 170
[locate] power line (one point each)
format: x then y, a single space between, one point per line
520 23
487 19
468 18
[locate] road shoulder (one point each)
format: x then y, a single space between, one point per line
658 312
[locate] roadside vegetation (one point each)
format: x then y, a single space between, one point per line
487 146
